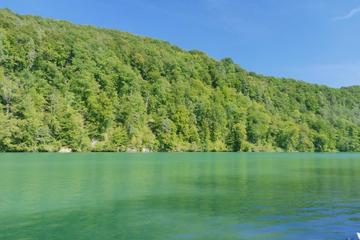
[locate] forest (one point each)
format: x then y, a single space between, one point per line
91 89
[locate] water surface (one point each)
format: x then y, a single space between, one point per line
179 196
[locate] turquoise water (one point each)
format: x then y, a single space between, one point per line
179 196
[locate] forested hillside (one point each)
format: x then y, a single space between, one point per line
90 89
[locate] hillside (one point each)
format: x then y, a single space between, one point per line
91 89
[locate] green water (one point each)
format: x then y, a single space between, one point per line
179 196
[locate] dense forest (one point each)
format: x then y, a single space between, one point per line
91 89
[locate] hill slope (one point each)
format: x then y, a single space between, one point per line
104 90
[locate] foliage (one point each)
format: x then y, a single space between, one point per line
64 85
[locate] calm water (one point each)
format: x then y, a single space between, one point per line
179 196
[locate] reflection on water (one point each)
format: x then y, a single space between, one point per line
179 196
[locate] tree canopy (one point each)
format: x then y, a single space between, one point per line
91 89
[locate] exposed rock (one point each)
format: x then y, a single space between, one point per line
131 150
146 150
93 143
65 150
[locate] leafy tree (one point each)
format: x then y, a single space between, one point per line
237 138
63 85
7 90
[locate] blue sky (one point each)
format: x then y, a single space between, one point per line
312 40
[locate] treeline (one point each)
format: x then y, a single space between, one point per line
90 89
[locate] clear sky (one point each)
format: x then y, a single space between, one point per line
312 40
